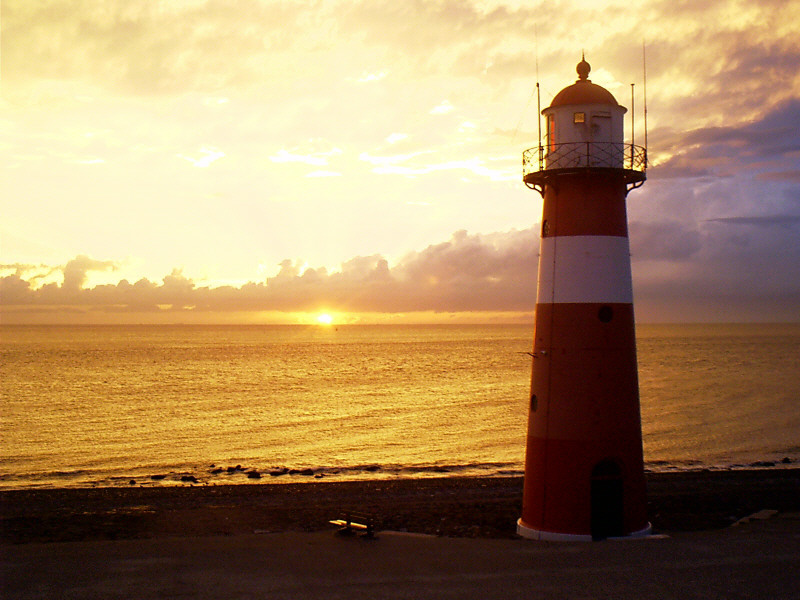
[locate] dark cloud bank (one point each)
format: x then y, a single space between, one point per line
768 147
724 270
467 273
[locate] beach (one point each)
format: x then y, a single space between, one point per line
445 506
725 534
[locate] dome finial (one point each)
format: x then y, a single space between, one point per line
583 68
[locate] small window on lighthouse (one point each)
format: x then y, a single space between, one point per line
551 133
605 314
579 117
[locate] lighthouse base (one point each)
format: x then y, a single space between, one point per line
553 536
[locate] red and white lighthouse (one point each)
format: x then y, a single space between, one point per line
584 474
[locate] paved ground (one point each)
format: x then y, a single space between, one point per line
759 559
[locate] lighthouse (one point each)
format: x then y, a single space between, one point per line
584 473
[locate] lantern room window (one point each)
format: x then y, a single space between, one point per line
579 117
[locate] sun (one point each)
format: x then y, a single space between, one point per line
324 319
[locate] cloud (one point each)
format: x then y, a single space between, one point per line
785 221
735 269
323 174
141 48
442 108
396 137
15 291
467 272
315 152
663 240
75 271
792 176
768 145
728 268
208 156
414 164
368 77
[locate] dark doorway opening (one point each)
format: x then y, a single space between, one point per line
607 497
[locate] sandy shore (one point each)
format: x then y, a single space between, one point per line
453 506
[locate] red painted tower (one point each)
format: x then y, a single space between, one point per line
584 474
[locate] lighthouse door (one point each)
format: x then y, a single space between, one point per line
600 134
606 499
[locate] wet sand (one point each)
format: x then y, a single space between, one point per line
448 506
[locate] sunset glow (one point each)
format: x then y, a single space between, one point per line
324 319
272 158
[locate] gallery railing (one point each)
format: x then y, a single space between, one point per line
571 155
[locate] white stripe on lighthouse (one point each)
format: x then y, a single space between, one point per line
584 268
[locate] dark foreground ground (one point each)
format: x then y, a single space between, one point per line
453 507
273 541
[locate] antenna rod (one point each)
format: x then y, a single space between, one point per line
644 85
539 120
633 125
538 94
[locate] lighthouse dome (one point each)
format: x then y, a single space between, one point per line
583 91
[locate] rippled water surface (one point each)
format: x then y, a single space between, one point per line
104 405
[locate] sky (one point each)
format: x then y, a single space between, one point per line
243 161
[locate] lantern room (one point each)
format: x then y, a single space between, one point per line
584 130
584 126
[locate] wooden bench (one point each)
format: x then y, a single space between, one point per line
351 522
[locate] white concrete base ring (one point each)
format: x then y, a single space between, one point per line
549 536
642 533
552 536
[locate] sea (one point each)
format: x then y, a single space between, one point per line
163 405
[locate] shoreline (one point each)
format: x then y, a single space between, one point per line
239 474
484 507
